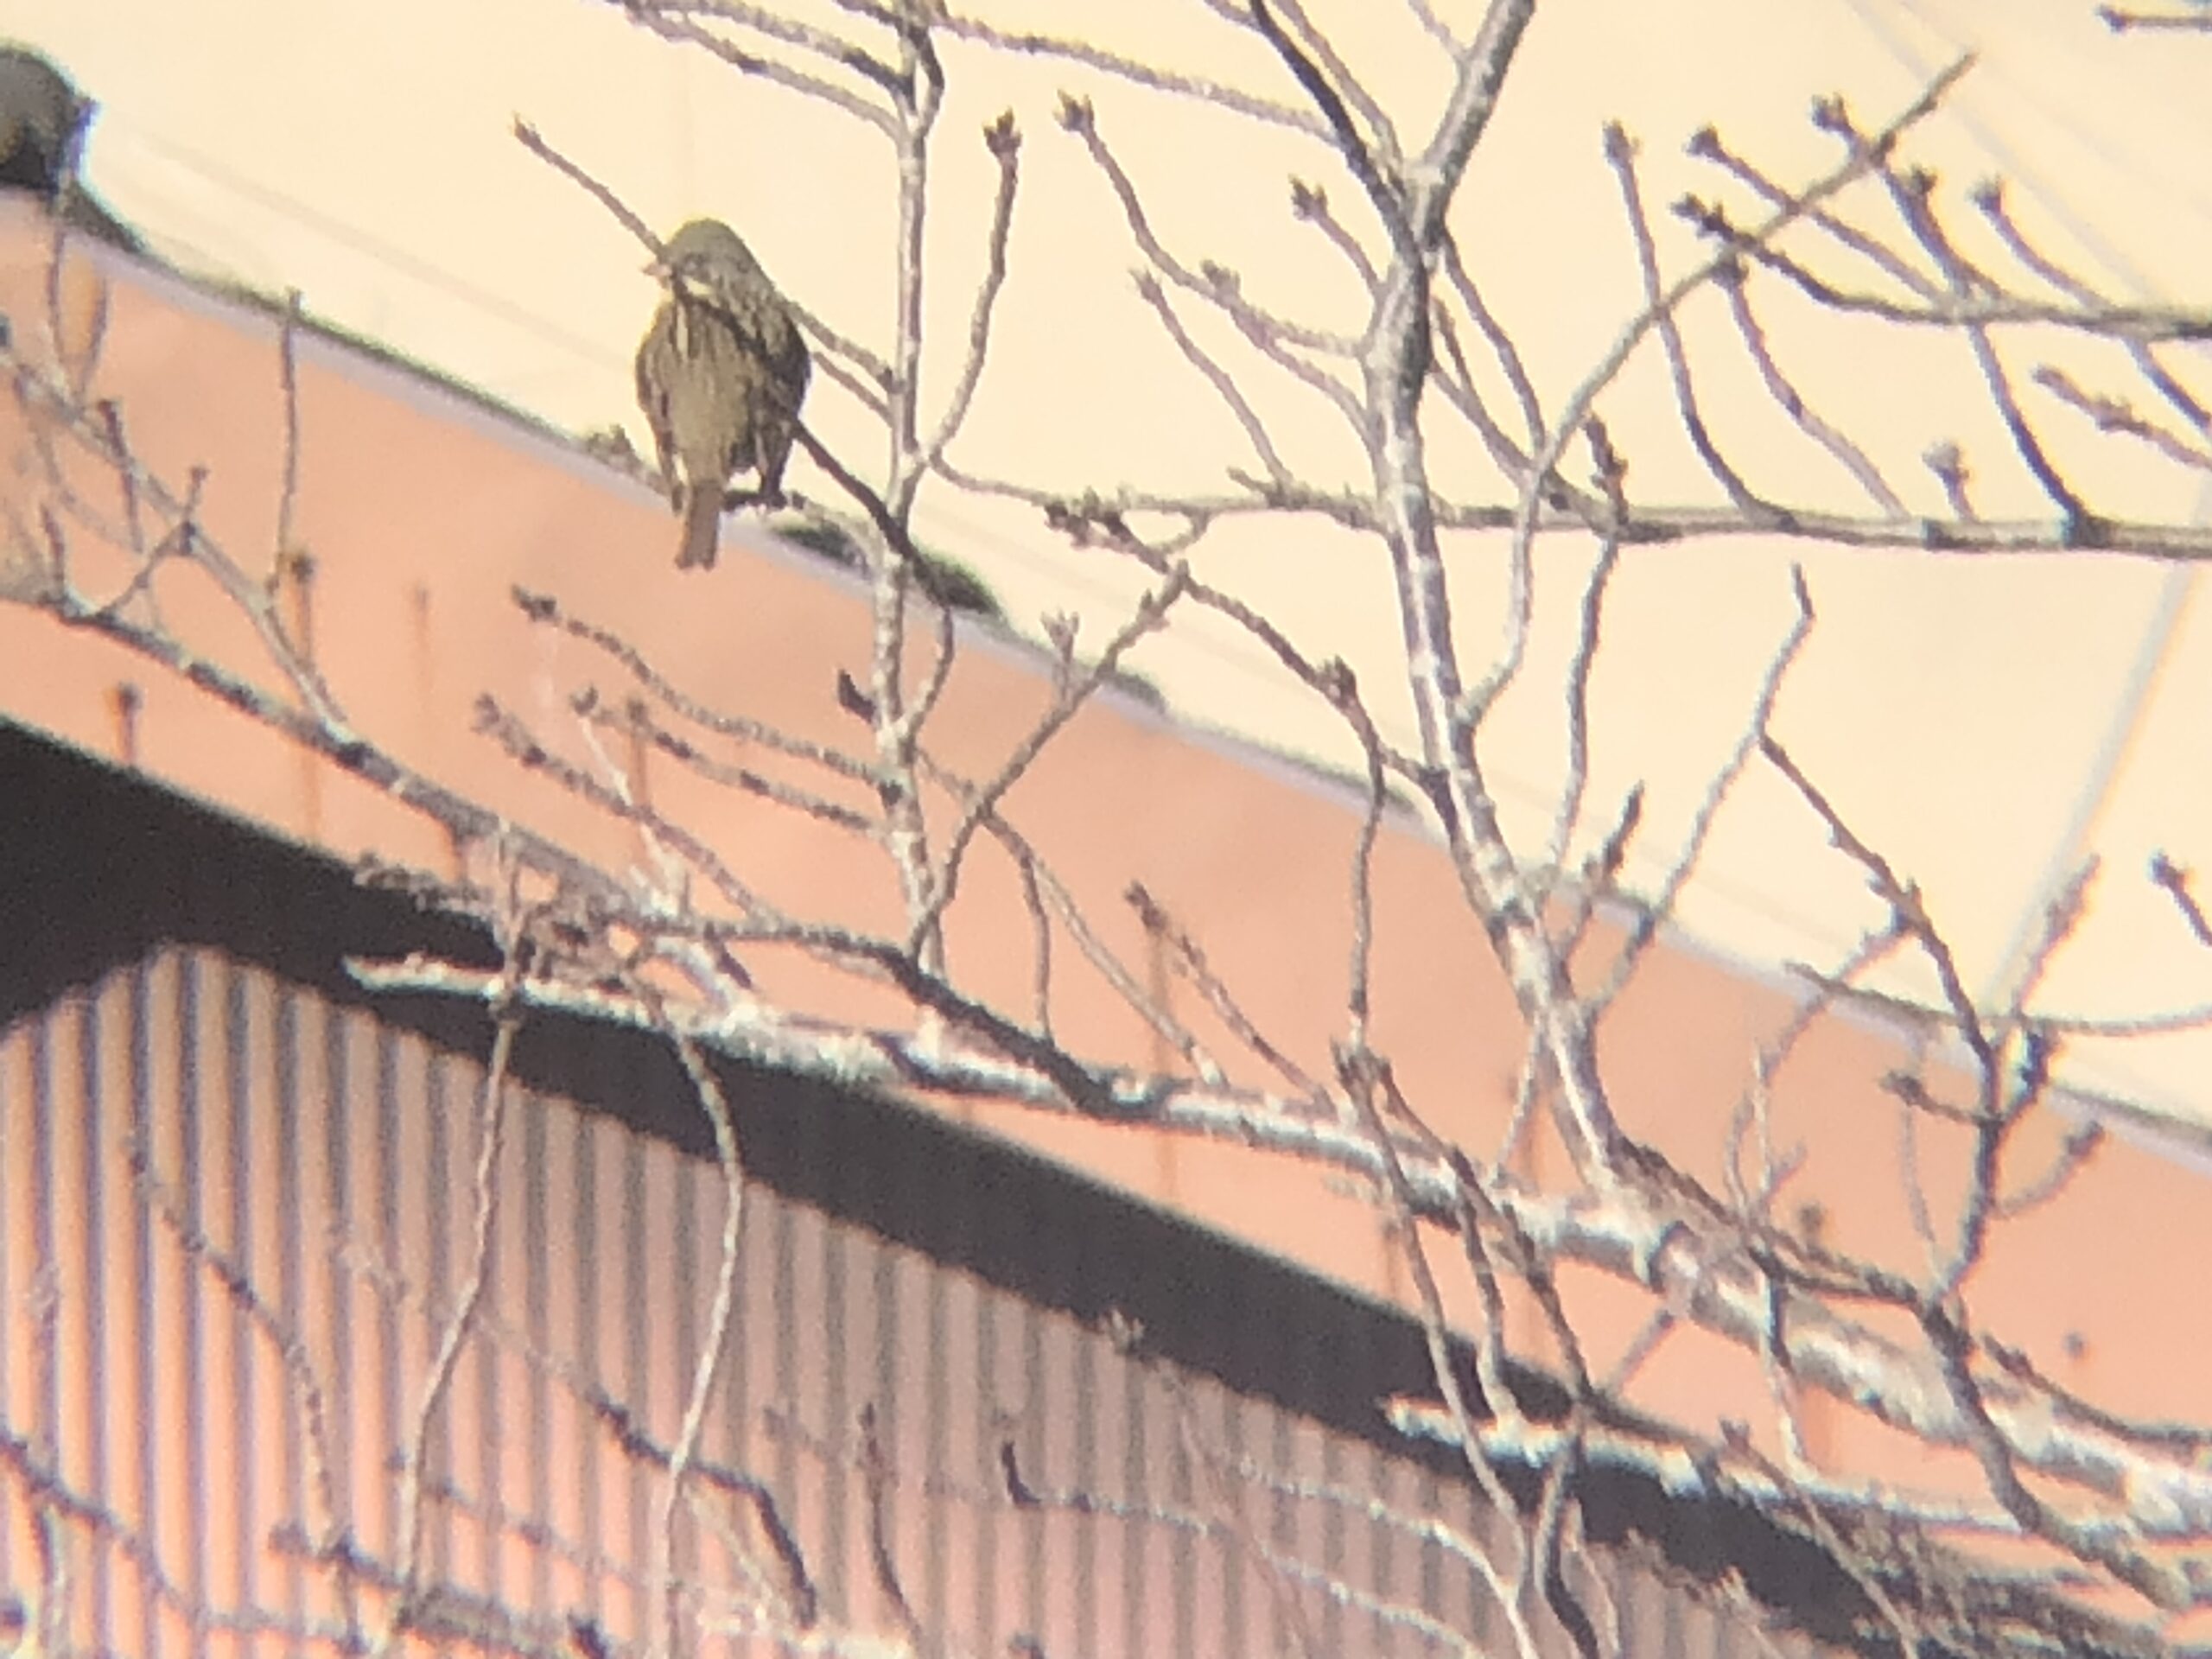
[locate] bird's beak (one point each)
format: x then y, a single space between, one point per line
657 269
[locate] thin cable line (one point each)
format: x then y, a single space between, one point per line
382 253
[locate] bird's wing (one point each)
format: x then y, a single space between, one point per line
653 391
785 346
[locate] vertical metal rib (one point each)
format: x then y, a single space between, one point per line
329 1158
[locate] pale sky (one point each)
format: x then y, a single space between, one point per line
1988 723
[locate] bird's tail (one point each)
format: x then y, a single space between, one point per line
702 523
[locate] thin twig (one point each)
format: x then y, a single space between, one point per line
2117 414
1706 143
834 48
1223 382
1074 691
1620 154
1309 204
490 1120
1990 199
1662 906
1916 198
1499 339
1133 70
287 370
1192 961
714 1343
774 72
1608 367
1849 456
1613 476
873 368
1004 141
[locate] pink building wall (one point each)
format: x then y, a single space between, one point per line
422 510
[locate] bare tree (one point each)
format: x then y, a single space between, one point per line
2124 1508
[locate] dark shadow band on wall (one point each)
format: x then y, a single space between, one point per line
100 867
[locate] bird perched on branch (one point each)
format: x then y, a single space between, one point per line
41 117
721 374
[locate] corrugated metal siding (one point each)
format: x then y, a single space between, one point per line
327 1155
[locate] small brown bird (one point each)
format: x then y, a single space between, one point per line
721 374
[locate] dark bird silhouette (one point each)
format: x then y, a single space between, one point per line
42 123
721 375
41 117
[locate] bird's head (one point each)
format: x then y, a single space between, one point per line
705 251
